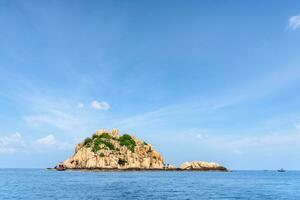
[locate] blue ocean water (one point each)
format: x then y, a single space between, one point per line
43 184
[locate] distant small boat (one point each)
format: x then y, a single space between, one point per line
60 167
281 170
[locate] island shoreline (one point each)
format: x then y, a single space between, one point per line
106 150
139 169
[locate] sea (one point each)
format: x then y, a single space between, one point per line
45 184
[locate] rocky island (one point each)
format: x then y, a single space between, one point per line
107 150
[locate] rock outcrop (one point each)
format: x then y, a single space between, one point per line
202 166
107 150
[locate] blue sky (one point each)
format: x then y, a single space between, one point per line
199 80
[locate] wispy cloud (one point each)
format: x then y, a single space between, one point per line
100 105
48 110
264 143
61 115
50 141
199 140
80 105
57 112
294 22
15 142
9 144
56 118
263 86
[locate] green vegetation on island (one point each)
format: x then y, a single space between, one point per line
126 140
104 141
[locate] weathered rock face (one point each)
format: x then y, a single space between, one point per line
202 166
107 150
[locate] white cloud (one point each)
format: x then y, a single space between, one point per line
56 118
53 111
100 105
50 141
80 105
261 143
60 113
294 22
265 85
9 144
14 143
